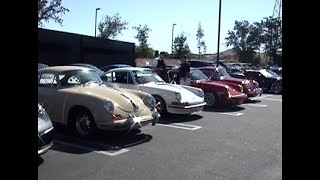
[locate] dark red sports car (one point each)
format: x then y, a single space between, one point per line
219 74
215 93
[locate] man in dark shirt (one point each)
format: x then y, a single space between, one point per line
184 71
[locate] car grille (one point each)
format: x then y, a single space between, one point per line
45 139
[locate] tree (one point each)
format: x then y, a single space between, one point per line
272 37
143 49
246 39
50 11
110 27
180 46
201 43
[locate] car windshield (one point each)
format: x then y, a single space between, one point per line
79 77
147 76
272 72
196 74
223 72
99 71
268 74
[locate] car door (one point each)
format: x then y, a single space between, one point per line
49 96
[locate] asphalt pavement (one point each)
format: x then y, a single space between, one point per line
243 142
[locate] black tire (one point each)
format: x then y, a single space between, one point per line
83 123
276 87
160 105
210 98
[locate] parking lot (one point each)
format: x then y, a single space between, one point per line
244 142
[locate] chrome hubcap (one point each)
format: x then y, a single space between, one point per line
159 105
209 98
276 87
83 124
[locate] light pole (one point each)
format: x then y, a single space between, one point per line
95 24
172 38
219 32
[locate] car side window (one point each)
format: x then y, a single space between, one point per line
73 80
47 80
107 77
130 79
120 77
252 75
208 73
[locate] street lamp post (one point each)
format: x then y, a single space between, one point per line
172 38
219 32
95 24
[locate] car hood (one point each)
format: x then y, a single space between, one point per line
186 95
211 83
231 80
124 100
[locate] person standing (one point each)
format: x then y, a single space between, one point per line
184 71
160 67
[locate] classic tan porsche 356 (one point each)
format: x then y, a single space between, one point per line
77 97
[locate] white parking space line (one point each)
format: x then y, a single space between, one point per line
121 151
181 126
272 99
256 105
261 97
232 113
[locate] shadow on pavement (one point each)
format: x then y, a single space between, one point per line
40 160
223 109
251 101
175 118
65 141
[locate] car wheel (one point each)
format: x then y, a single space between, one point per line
84 123
210 98
276 87
160 104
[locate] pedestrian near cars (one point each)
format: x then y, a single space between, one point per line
184 71
160 67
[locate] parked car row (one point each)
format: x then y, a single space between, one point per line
87 99
269 79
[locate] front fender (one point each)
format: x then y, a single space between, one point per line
197 91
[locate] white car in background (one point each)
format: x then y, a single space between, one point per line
171 98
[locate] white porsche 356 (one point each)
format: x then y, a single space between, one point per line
171 98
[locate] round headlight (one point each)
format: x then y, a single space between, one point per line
151 102
178 96
200 92
255 83
108 105
240 88
42 114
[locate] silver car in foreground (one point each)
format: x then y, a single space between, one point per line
45 131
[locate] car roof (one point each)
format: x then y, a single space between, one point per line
130 69
119 65
63 68
210 67
253 70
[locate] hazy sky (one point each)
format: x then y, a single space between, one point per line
160 15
